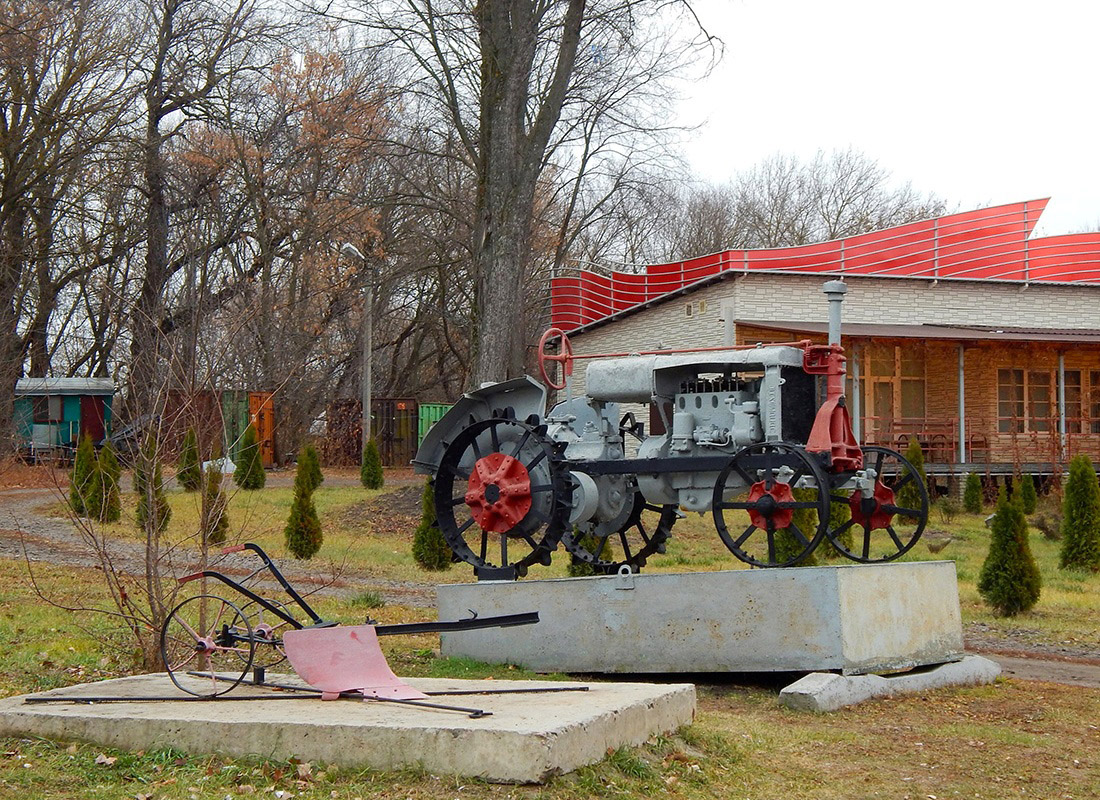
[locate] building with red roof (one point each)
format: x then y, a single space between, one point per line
964 331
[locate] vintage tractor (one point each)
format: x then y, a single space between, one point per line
745 439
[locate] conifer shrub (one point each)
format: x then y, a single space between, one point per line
972 494
153 511
909 494
581 569
189 469
1009 580
1081 517
787 544
80 481
249 473
214 518
839 513
429 548
308 455
1028 496
370 471
104 502
303 528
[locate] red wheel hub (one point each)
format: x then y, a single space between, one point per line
499 492
868 512
765 504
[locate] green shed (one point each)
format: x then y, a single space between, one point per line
53 413
430 413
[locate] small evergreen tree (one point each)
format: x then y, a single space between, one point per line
972 495
1081 517
103 502
580 569
308 456
214 518
303 527
189 470
1028 496
909 495
839 513
153 511
80 482
787 545
1009 580
250 467
370 471
429 548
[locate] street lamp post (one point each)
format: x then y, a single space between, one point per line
349 250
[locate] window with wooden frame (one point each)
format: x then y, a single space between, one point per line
894 381
1094 401
1010 400
1027 401
46 409
1074 406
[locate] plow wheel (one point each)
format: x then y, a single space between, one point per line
886 524
628 540
267 632
770 505
207 645
502 497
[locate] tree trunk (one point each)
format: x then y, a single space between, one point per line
145 344
12 258
511 149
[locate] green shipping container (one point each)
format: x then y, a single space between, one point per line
430 413
235 420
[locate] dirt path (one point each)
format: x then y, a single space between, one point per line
26 532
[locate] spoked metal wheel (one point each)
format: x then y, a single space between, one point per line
770 504
638 531
267 633
502 497
888 515
207 645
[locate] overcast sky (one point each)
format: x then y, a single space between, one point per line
980 102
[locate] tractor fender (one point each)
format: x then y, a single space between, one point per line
519 397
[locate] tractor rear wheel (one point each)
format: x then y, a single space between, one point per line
502 496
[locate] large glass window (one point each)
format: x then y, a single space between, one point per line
46 409
1038 401
1010 400
893 384
1094 401
1074 408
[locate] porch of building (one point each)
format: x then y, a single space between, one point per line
995 401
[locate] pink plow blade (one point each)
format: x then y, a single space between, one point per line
345 659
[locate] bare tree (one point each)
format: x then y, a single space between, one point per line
193 49
783 201
63 91
517 83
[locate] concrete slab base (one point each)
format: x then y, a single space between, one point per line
854 618
826 691
528 738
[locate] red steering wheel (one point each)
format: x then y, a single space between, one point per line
564 357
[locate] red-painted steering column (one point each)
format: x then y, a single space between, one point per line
564 357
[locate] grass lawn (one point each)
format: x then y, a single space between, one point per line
373 536
1012 739
1007 740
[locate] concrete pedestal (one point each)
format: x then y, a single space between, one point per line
526 738
852 618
